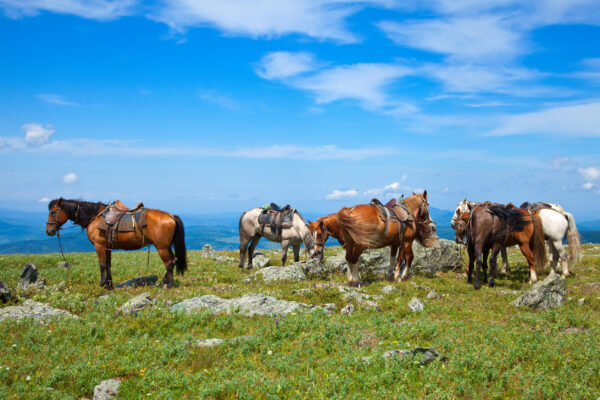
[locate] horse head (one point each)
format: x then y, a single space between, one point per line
320 236
425 227
57 216
461 207
460 234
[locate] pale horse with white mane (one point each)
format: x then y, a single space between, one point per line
557 223
251 231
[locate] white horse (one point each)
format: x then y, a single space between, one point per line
557 224
251 231
463 207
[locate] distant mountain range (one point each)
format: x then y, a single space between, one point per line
23 232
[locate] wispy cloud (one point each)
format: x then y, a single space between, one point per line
319 19
221 99
57 99
44 200
340 194
581 120
283 64
101 10
37 134
590 173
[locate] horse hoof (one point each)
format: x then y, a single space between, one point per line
167 285
492 284
477 285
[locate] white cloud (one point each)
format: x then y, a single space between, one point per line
339 194
70 178
581 120
589 173
283 64
445 190
590 70
57 99
320 19
101 10
44 200
470 38
36 134
587 185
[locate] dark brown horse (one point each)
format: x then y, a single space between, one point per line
492 227
362 228
162 229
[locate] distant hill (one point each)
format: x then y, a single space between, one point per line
25 232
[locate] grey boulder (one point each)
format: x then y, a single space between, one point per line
30 279
416 305
139 281
32 309
208 251
138 303
292 272
259 260
5 293
106 390
545 294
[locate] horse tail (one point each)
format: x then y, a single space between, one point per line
539 244
573 237
179 243
356 228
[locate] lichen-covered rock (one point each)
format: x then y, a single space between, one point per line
388 289
32 309
106 390
209 342
138 303
208 251
5 293
259 260
416 305
314 268
63 264
433 295
545 294
443 257
292 272
29 278
428 354
349 309
366 301
139 281
248 305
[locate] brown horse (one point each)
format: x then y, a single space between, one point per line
322 229
362 228
491 227
163 230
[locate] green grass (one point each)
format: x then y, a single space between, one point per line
495 350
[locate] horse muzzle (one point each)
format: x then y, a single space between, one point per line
51 229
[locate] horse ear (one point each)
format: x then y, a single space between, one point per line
414 194
59 202
425 193
470 206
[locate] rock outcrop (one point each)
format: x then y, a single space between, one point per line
545 294
138 303
106 390
32 309
292 272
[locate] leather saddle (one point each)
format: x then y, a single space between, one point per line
534 207
277 218
392 211
119 218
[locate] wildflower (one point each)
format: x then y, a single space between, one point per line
28 378
269 352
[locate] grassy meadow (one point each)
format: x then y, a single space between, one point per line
495 350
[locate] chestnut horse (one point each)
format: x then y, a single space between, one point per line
321 229
491 227
361 228
163 230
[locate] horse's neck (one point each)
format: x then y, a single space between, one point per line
332 225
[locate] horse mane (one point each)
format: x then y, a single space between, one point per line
79 211
513 219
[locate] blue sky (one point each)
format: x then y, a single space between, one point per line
210 106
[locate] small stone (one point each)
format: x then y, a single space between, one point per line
433 295
270 352
581 301
292 272
259 260
136 304
208 251
416 305
388 289
348 310
5 293
139 281
106 390
29 278
209 342
429 354
63 264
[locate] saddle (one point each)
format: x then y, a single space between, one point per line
392 211
276 218
118 218
534 207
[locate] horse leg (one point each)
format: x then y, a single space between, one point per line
353 259
562 260
553 255
471 252
296 252
243 250
109 282
494 264
529 256
285 244
505 267
169 259
486 253
478 266
253 244
101 252
408 258
393 253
